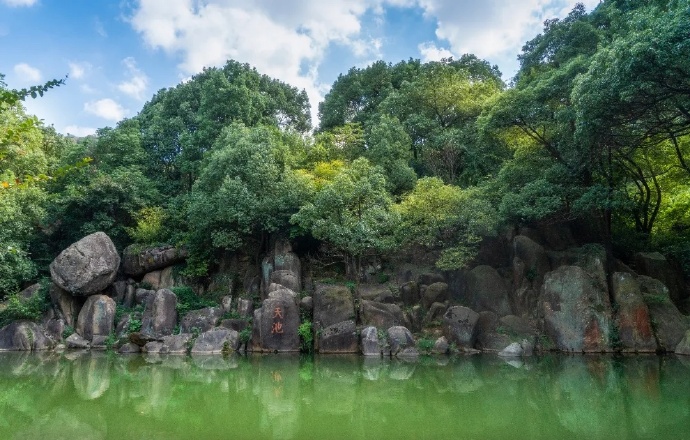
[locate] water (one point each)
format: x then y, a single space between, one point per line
105 396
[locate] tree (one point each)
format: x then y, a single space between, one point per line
353 214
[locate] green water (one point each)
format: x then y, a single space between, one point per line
101 396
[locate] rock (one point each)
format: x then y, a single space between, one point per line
140 339
96 318
130 295
429 278
28 293
634 325
401 341
283 291
176 344
153 347
437 292
332 305
435 313
369 342
160 314
489 338
235 324
86 267
54 328
441 346
203 320
141 295
288 261
683 346
409 293
137 261
129 348
576 310
655 265
338 338
275 326
415 317
380 315
513 350
24 336
488 290
530 265
159 279
99 342
668 323
459 326
245 308
67 305
288 279
226 303
216 341
76 341
307 304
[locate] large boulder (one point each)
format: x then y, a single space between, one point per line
380 315
203 319
668 323
338 338
409 293
489 336
96 318
332 304
576 310
160 314
634 325
401 342
138 260
488 290
275 325
459 326
24 336
281 266
437 292
159 279
370 342
655 265
216 341
288 279
176 344
86 267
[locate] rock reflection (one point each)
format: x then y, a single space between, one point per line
91 375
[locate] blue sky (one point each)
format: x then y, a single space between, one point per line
119 53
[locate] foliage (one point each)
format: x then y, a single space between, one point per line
187 300
18 308
149 225
425 345
306 336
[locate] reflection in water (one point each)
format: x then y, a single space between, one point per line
100 395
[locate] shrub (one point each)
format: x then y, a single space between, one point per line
17 308
306 336
187 300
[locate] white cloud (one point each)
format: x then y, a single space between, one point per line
430 52
107 109
27 73
78 131
85 88
137 83
99 28
78 70
19 2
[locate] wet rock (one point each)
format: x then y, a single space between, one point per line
576 310
668 323
86 267
401 342
153 347
380 315
203 320
176 344
338 338
488 290
332 304
99 342
459 326
96 318
216 341
24 336
76 341
437 292
129 348
369 342
160 314
137 260
634 325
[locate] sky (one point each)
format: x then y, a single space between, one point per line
118 54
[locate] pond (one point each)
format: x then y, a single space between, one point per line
106 396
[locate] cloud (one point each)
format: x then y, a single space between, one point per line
85 88
14 3
78 70
27 73
78 131
430 52
107 109
137 83
99 28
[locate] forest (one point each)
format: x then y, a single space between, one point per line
593 130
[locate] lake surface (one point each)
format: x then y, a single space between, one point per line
106 396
